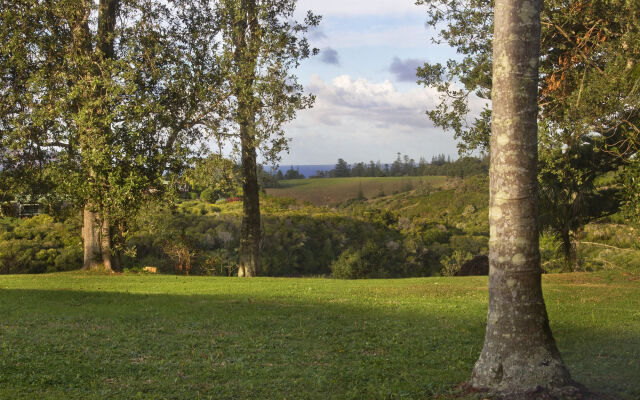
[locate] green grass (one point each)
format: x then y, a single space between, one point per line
84 336
327 191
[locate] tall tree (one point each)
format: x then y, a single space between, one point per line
111 95
590 52
589 96
519 354
262 45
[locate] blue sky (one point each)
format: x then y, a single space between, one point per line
368 105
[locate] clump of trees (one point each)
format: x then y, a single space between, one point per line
589 102
106 101
405 166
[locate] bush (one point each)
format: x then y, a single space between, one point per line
452 264
209 195
369 261
39 244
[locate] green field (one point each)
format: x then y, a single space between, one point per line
327 191
86 336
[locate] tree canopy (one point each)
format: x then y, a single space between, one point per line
587 85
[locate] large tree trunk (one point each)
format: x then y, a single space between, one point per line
105 245
245 37
249 251
519 354
96 230
96 234
91 238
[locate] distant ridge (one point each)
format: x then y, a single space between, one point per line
306 170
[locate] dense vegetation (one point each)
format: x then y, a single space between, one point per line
431 227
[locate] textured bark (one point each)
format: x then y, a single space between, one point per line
96 236
96 231
249 252
105 245
519 354
107 12
91 239
245 58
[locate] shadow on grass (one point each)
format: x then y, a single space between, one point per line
74 344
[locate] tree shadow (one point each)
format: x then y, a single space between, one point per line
80 344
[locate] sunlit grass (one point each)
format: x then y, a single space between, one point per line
75 335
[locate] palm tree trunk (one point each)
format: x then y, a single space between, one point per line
519 354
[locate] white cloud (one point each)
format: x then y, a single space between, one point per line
379 103
361 120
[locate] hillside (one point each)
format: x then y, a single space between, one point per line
329 191
425 231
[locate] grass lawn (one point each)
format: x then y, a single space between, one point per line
86 336
326 191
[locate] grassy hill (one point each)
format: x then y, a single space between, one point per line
328 191
83 336
425 231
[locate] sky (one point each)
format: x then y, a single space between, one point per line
368 104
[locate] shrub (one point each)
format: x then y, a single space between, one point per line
369 261
209 195
452 264
39 244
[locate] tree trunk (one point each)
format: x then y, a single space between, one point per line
107 12
249 251
96 234
105 245
245 38
519 354
568 251
91 239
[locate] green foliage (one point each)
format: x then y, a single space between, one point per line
590 53
405 166
630 178
105 102
209 195
39 244
261 47
371 260
215 177
417 233
341 170
452 264
298 240
293 174
568 197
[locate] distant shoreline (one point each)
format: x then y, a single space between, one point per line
306 170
